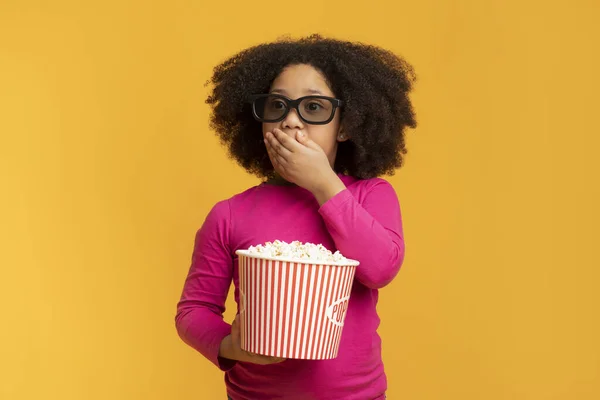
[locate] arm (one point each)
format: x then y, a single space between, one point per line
370 233
199 319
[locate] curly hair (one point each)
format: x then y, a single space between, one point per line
373 83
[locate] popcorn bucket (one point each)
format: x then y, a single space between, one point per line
293 309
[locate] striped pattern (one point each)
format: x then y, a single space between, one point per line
293 310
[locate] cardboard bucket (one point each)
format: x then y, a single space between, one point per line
293 309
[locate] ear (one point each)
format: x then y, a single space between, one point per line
342 136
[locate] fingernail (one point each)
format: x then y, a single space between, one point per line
301 133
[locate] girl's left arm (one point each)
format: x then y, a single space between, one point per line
370 232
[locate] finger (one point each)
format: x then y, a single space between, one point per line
257 356
260 359
277 146
270 143
304 140
287 142
269 148
274 361
276 158
282 161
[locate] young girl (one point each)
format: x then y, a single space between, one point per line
319 120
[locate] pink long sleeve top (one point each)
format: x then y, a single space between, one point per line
363 222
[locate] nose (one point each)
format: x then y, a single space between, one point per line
292 120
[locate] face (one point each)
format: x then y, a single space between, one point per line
303 80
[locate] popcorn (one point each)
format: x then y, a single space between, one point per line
297 251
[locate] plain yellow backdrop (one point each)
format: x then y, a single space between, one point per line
108 168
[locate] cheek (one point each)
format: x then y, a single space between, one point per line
324 136
268 127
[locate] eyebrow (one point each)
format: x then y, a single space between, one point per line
283 91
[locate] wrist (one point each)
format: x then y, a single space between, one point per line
330 186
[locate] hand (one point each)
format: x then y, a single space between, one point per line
231 349
303 162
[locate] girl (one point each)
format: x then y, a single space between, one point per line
319 119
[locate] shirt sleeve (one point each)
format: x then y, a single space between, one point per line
370 232
199 319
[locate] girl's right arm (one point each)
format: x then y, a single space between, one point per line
199 319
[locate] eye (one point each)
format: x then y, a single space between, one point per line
276 104
313 106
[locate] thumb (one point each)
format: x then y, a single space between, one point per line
303 139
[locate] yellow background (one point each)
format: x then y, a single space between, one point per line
108 168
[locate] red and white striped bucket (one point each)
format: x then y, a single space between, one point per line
291 309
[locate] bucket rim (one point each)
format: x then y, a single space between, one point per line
347 263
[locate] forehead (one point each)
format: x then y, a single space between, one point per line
300 80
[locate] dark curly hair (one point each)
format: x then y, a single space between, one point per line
372 82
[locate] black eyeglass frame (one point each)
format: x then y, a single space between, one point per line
336 103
